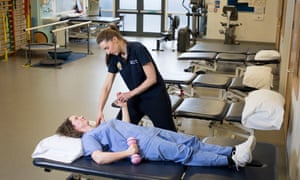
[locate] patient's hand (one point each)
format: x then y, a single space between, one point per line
133 149
120 103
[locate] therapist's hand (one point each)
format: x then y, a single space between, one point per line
123 96
100 118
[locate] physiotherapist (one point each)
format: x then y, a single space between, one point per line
147 94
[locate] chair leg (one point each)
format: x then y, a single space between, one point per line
158 45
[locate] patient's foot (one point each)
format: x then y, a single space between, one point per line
250 143
243 152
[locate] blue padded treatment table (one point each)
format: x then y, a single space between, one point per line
263 167
202 108
121 170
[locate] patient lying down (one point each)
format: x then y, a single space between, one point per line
107 143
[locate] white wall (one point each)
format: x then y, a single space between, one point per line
251 29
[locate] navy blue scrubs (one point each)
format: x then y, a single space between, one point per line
155 101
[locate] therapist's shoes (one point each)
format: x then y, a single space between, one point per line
243 152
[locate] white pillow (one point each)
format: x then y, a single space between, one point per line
265 55
59 148
263 110
259 77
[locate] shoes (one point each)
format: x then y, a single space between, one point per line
243 152
250 143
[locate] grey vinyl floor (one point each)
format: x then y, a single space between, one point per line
34 101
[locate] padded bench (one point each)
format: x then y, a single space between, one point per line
236 89
215 81
176 80
231 58
213 110
200 61
263 167
121 170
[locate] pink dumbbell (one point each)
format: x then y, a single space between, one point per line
135 158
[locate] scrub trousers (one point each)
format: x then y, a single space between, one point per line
186 149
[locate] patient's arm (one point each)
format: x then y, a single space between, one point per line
108 157
125 113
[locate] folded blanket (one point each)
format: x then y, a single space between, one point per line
263 110
59 148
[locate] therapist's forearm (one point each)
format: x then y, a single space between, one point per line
102 100
143 87
151 79
105 90
103 97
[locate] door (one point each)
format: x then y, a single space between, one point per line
293 66
141 17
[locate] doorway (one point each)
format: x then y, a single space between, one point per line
141 17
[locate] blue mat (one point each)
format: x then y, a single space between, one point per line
51 62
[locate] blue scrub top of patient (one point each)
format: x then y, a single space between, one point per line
112 135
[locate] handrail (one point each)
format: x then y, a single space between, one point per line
45 25
72 26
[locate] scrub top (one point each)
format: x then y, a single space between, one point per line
112 135
132 71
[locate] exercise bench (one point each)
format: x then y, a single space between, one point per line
177 82
200 61
212 110
264 165
213 81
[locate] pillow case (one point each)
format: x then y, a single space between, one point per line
265 55
263 110
259 77
59 148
